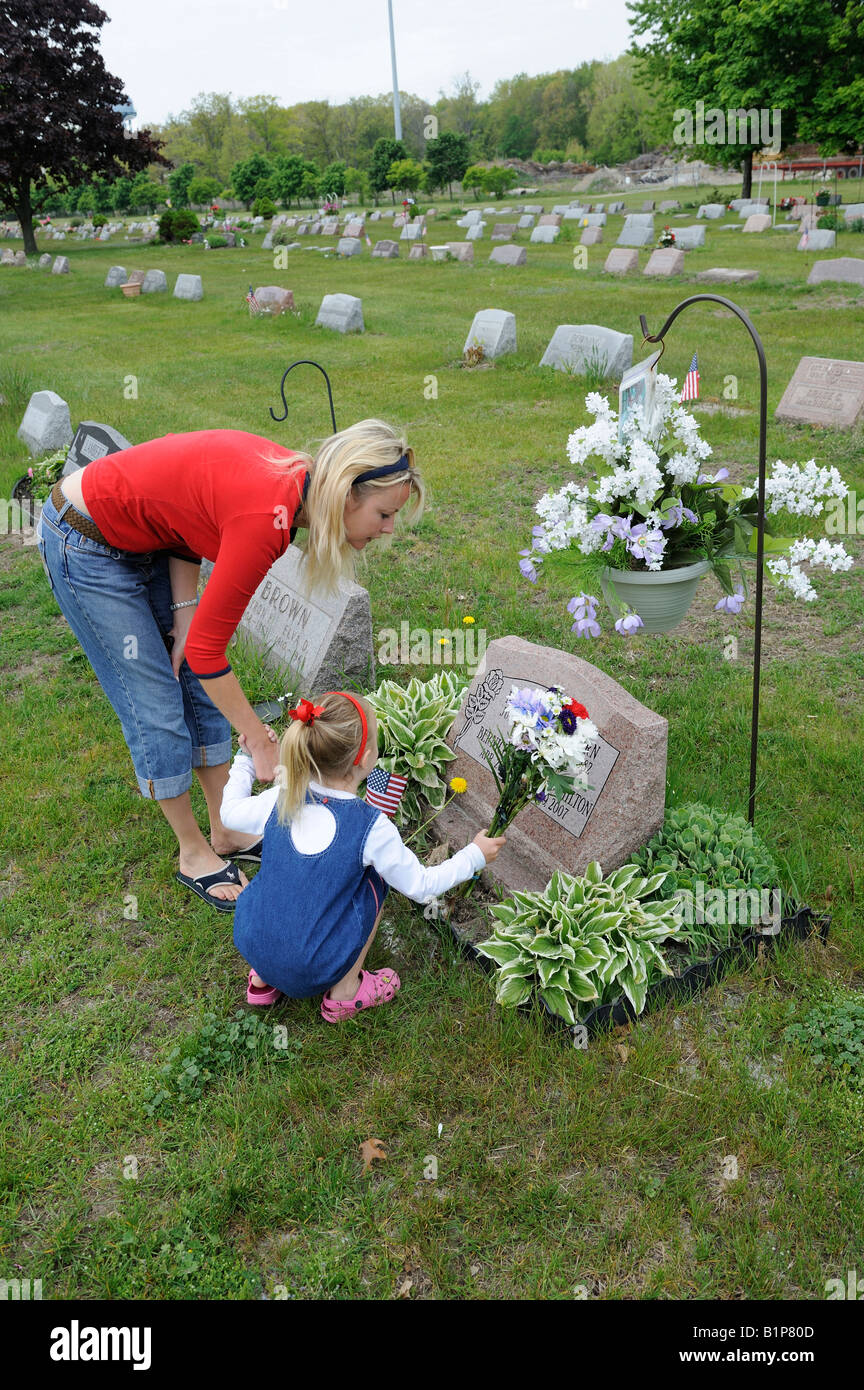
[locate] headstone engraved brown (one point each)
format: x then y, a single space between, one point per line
624 803
326 640
824 391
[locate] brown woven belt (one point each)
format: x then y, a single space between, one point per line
76 519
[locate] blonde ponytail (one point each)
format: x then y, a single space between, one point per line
323 749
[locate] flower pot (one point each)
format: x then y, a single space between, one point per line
660 597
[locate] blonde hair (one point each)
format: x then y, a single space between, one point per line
339 460
325 748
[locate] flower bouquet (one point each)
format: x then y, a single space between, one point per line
546 751
44 473
666 237
650 508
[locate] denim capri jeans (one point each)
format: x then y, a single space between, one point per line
119 607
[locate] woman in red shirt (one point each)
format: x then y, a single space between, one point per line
122 541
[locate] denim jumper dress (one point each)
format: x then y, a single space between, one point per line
304 919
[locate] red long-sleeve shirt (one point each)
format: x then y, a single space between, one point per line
205 493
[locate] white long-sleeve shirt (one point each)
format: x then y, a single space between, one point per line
313 828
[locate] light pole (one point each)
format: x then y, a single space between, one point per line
397 114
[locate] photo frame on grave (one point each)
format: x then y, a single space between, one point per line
637 391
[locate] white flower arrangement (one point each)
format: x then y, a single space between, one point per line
651 507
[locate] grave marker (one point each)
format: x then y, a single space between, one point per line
845 269
342 312
573 347
325 639
665 261
621 262
495 329
93 441
508 255
46 426
624 805
824 391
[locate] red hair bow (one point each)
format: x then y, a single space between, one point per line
306 712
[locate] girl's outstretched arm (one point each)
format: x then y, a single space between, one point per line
240 809
400 867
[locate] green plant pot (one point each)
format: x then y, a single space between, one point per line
660 597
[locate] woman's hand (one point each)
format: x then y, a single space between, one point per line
179 632
264 753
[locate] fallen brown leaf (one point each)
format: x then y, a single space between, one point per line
369 1151
405 1288
623 1052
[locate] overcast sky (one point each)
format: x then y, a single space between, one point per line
167 51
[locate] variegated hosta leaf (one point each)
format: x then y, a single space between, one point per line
636 990
580 986
559 1003
593 873
517 969
623 876
502 952
512 991
545 945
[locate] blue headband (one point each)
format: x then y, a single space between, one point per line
403 463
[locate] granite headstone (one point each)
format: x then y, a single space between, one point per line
624 803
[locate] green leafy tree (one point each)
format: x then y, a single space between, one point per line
447 159
264 190
202 191
385 153
802 59
178 182
499 178
245 176
288 174
87 201
357 181
60 121
625 119
145 194
332 180
122 190
475 179
405 175
311 179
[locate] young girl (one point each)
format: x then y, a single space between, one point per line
308 918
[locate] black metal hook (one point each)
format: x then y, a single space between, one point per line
304 362
760 516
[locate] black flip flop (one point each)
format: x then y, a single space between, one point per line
253 853
199 886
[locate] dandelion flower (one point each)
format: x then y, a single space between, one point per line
468 620
458 784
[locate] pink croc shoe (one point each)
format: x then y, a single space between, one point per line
376 987
261 994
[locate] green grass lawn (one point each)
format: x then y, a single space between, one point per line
553 1168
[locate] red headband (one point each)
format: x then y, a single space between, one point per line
359 708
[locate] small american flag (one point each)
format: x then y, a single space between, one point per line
254 306
384 790
691 382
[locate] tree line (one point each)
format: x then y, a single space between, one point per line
63 147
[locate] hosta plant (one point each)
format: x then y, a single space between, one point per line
413 722
582 941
